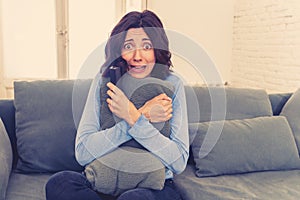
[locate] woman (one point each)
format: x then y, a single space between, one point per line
138 45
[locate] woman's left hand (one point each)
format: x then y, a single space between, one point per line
120 105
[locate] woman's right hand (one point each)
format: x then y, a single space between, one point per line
158 109
119 104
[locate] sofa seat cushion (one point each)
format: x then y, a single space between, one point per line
27 186
275 185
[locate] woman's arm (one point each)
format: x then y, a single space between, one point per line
172 151
91 141
158 109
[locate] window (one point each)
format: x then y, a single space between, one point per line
53 39
90 23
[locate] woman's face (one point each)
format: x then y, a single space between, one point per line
138 51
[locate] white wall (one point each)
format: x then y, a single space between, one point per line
208 23
28 37
2 87
266 47
28 30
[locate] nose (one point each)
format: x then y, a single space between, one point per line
137 57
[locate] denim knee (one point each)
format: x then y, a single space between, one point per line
53 186
61 183
69 185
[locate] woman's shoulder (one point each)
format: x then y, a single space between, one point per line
99 79
97 82
175 78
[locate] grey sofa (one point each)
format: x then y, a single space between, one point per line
243 141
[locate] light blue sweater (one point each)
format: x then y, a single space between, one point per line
92 142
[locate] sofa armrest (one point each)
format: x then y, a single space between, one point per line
6 158
7 115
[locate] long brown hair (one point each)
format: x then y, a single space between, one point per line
153 27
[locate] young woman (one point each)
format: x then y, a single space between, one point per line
138 45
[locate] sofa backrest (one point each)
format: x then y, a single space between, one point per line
7 112
219 103
278 101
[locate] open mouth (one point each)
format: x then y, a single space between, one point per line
137 69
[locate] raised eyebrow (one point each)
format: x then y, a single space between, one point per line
146 39
130 40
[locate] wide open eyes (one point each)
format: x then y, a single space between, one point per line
147 46
130 46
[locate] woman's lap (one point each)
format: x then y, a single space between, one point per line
67 185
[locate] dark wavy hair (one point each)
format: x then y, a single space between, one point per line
153 27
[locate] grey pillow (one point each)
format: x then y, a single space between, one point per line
5 160
138 91
291 111
45 128
122 170
125 168
249 145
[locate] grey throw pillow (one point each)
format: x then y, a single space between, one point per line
249 145
125 168
206 104
45 125
131 165
5 160
291 111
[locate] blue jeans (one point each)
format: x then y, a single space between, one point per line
69 185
